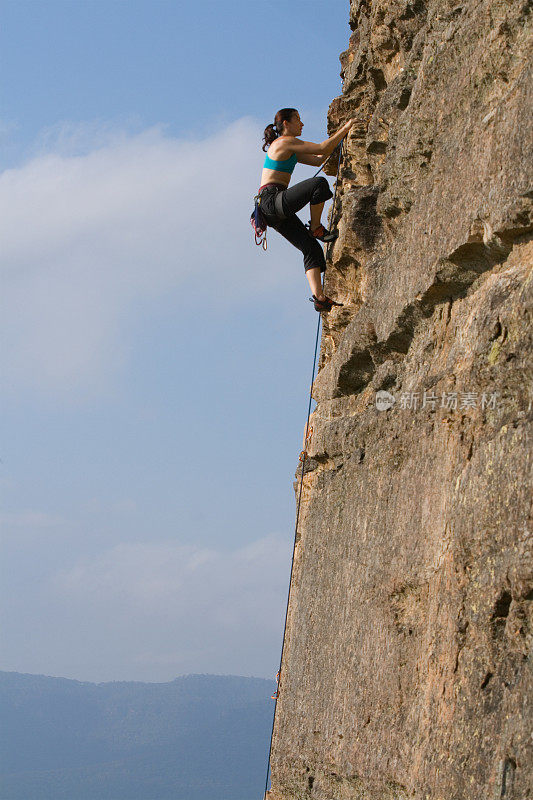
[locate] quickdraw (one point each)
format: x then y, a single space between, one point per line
261 240
303 454
276 693
259 224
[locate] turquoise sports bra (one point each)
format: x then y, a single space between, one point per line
281 166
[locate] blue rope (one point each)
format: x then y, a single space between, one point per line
301 479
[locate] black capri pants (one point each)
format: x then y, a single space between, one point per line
279 205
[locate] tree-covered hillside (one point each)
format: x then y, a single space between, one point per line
199 737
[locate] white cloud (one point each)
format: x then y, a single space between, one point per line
164 608
29 521
152 576
87 240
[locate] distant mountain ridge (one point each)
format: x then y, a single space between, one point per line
198 737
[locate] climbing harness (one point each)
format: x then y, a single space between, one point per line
303 459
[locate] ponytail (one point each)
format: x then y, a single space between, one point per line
270 135
275 129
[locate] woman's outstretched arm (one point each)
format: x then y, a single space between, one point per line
312 161
322 149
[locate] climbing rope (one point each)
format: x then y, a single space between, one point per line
328 158
303 458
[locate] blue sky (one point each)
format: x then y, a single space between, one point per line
157 363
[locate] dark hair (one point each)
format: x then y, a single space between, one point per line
276 128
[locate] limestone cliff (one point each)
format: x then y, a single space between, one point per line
407 668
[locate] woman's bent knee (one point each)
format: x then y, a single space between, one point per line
321 191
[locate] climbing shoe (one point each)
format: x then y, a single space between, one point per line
323 305
322 233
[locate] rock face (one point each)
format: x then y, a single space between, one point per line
407 667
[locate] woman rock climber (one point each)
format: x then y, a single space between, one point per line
279 204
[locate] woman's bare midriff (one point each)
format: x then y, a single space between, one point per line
273 176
